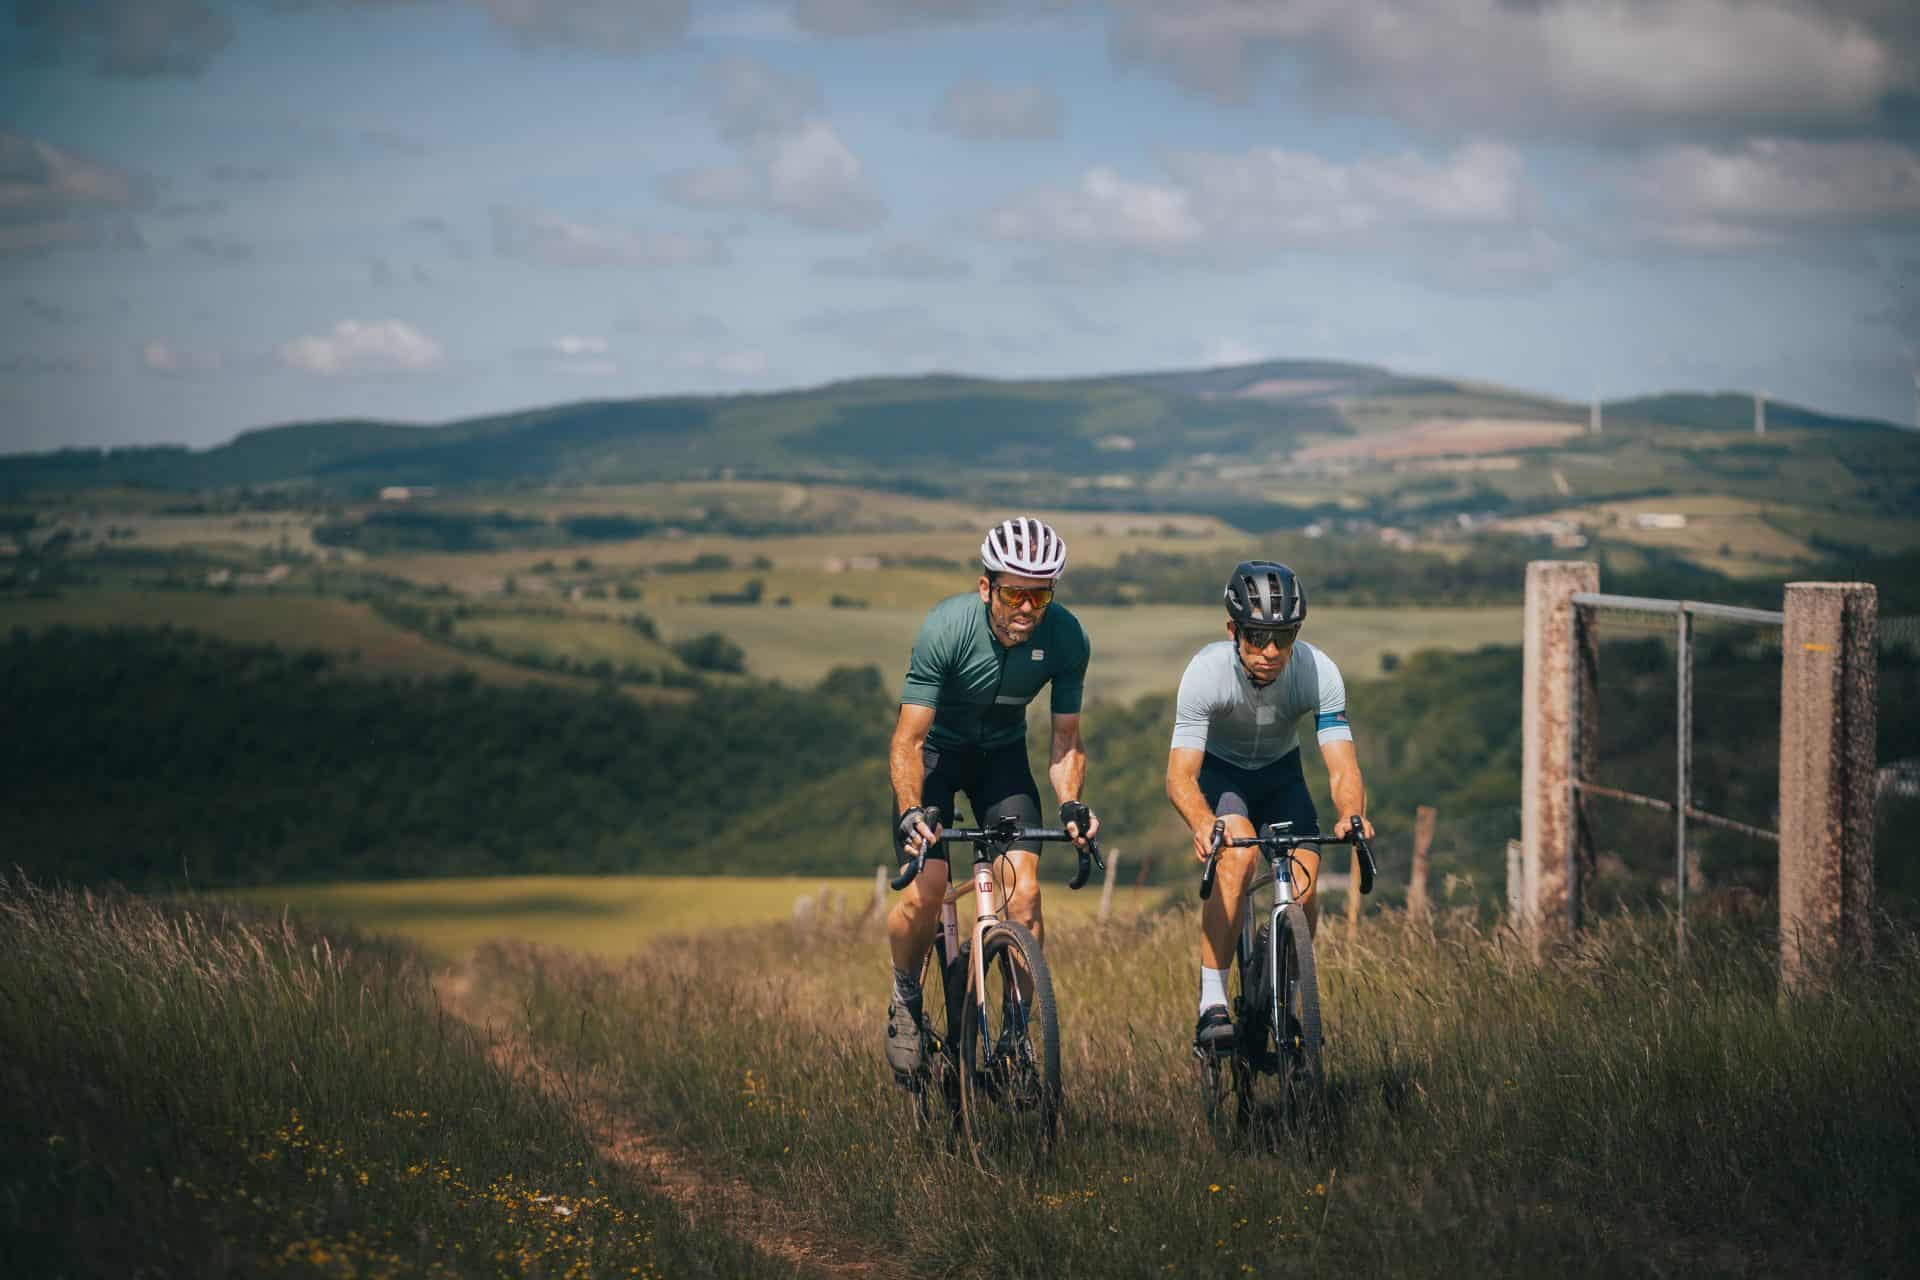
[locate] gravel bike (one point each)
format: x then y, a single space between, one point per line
1275 995
996 1060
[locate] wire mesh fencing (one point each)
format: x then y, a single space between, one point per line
1681 781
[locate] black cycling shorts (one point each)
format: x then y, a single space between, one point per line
996 780
1275 793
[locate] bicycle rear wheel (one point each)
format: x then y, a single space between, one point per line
1010 1053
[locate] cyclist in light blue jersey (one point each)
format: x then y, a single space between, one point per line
1236 756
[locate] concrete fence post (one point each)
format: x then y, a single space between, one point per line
1424 818
1555 663
1828 684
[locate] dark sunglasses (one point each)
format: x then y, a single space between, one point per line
1011 597
1261 637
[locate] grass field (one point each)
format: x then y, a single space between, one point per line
601 915
347 630
1610 1114
583 641
1136 650
192 1093
296 622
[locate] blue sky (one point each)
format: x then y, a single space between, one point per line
220 214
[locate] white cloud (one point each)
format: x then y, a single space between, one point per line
605 26
813 178
1577 66
1767 190
579 356
545 239
1223 204
1104 211
794 162
896 260
162 357
355 348
973 109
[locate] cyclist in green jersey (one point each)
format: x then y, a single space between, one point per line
980 658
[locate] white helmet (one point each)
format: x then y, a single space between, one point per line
1024 546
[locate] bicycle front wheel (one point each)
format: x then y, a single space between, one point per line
1010 1052
1296 1010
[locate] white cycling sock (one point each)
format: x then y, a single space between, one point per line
1213 987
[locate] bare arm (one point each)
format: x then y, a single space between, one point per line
1183 789
906 766
1344 781
1067 768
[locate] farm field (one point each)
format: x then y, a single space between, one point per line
1735 536
602 915
341 628
1136 650
1092 540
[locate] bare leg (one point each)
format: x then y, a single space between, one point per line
1220 914
915 916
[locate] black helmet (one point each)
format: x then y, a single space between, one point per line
1267 594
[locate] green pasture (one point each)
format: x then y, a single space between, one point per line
581 641
347 630
605 915
1136 650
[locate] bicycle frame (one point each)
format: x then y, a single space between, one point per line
1279 873
989 844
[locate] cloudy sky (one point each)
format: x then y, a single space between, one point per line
218 214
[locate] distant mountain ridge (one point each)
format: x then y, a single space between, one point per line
1136 423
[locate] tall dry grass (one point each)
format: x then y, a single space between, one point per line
195 1091
1612 1113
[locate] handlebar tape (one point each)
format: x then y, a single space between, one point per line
1361 847
1213 858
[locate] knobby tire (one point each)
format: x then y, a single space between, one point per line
1010 1101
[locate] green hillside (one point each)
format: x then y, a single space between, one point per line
1181 440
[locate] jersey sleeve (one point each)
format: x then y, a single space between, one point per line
1330 716
1193 708
1070 682
926 669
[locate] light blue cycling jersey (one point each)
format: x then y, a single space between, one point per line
1224 713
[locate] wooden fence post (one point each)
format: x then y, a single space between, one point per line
880 879
1516 887
1553 662
1424 818
1828 683
1353 892
1106 891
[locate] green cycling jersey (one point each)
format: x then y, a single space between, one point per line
978 689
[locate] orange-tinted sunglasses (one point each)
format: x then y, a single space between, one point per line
1011 597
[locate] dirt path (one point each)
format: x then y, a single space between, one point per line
699 1192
